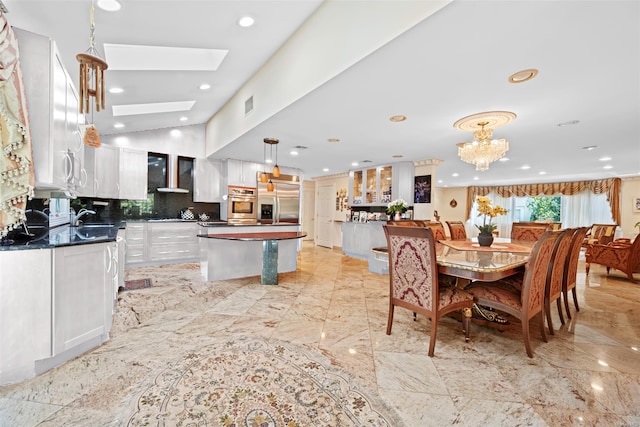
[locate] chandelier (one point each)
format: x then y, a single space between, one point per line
483 150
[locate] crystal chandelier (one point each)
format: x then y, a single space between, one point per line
483 150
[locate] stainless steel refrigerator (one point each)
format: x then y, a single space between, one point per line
282 205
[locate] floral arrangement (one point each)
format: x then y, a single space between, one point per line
398 205
486 210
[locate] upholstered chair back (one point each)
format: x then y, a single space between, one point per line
528 232
457 230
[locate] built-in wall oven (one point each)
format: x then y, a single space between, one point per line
242 205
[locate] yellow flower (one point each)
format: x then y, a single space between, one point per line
486 210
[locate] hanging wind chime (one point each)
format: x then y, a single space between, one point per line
92 69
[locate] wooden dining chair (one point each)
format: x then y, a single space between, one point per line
528 302
413 280
555 274
436 227
457 230
528 231
571 270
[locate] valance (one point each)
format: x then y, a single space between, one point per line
609 186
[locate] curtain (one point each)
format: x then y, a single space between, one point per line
609 187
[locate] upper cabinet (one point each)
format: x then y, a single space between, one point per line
241 173
52 100
379 185
207 181
132 174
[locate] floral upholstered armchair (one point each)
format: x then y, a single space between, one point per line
620 254
600 233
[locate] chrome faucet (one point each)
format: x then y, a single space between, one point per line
82 212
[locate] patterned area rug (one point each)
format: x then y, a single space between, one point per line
248 381
137 284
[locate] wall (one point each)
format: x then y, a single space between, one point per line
424 211
629 191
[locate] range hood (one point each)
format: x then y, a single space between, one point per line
172 176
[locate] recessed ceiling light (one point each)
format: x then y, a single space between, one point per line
116 90
184 118
604 159
153 58
475 178
293 152
354 164
440 181
398 118
542 173
523 76
569 123
204 86
455 174
109 5
333 140
175 132
118 125
246 21
590 147
607 167
504 159
325 170
525 167
158 107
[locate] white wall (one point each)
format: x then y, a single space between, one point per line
188 141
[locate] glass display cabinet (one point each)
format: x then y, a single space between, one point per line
378 186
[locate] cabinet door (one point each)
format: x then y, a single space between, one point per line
371 195
106 172
386 185
62 161
241 173
206 181
355 184
78 294
133 174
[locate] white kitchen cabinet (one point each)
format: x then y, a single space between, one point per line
136 243
207 181
53 114
241 173
379 185
107 168
25 312
81 294
132 174
172 241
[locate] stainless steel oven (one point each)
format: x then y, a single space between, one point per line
242 205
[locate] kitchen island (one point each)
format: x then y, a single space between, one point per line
229 257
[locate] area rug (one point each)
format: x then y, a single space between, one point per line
250 381
137 284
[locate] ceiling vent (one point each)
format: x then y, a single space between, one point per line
248 105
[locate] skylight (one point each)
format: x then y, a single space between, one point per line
158 107
138 57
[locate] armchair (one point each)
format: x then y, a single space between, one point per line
600 233
620 254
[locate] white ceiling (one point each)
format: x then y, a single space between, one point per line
452 64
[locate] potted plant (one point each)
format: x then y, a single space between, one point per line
395 208
485 238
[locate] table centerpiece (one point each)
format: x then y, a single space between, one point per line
485 238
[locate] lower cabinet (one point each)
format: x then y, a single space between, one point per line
173 241
56 304
155 243
82 294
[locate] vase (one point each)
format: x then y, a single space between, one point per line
485 239
397 216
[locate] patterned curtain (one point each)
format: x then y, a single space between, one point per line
610 187
16 171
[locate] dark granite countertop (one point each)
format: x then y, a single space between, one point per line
65 235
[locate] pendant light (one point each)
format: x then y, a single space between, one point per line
276 169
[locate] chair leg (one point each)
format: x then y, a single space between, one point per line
434 329
565 297
542 331
466 322
587 266
560 315
414 316
525 335
547 311
390 318
575 298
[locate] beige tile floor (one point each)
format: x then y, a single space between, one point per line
587 374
